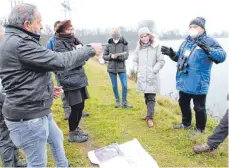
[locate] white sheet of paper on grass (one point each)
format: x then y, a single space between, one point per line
127 155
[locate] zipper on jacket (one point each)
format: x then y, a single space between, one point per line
147 54
116 61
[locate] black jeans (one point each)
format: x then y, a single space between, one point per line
199 108
150 103
220 133
75 116
8 151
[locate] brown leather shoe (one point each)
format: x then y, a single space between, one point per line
145 118
202 148
150 123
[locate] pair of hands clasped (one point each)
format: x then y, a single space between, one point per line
113 56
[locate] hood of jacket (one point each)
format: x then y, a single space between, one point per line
155 43
121 40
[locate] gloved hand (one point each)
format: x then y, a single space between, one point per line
204 46
168 51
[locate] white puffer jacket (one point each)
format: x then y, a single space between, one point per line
148 61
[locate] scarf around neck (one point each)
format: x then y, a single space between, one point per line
69 38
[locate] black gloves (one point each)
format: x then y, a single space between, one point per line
204 46
168 51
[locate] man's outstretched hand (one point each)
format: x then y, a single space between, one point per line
168 51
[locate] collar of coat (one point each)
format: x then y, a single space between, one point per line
153 45
121 40
12 28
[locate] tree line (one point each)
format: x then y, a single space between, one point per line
131 35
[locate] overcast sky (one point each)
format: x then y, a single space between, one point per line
167 14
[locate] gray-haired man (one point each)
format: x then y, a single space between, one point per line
8 151
24 70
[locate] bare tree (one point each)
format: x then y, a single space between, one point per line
122 29
47 30
3 21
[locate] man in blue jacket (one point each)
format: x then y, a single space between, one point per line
195 58
52 40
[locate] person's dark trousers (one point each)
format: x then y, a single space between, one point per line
66 107
220 133
75 116
150 103
199 108
8 151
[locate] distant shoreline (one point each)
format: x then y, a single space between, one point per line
172 39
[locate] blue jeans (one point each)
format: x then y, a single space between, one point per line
32 136
123 79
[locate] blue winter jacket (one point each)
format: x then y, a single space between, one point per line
51 43
197 80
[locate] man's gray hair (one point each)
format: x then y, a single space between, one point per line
21 13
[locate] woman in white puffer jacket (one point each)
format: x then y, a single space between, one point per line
148 61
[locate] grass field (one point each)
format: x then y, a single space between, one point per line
106 125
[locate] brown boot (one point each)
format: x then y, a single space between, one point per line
202 148
145 118
150 123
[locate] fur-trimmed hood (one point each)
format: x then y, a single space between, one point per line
121 40
155 43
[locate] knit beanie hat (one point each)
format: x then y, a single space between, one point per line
143 30
199 21
116 33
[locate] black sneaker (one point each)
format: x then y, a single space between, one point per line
85 114
118 104
182 126
81 132
126 105
66 116
76 138
20 164
196 132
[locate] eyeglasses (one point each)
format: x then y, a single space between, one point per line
71 29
